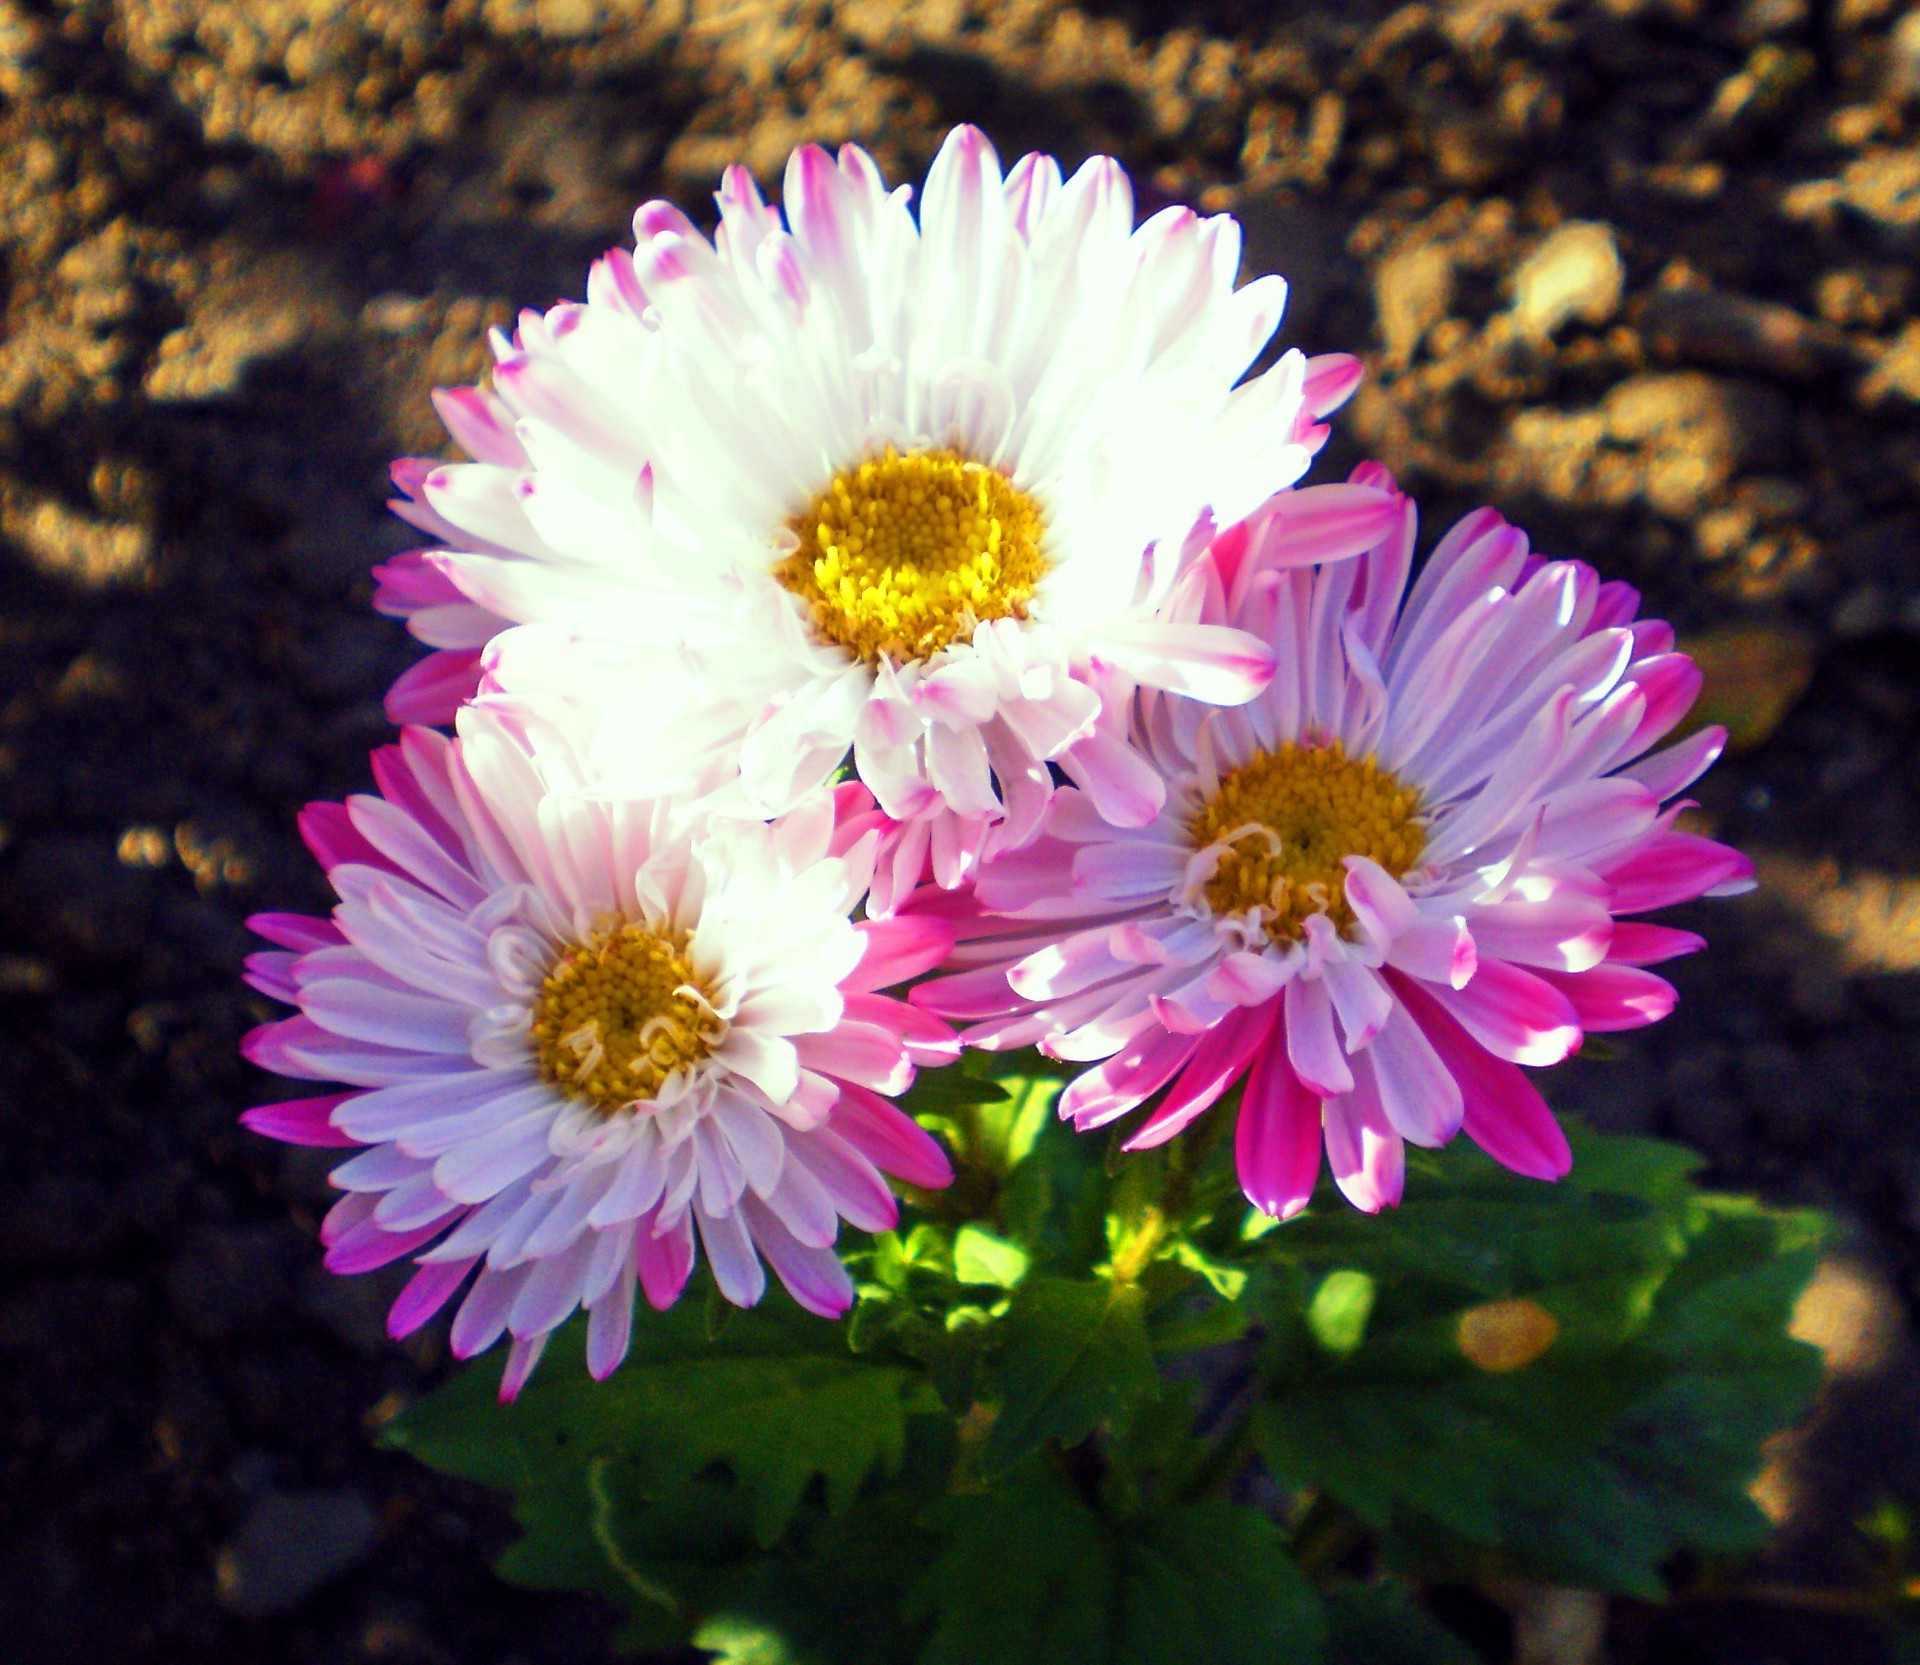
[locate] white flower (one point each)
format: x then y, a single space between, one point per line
844 483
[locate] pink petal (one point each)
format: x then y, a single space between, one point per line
300 1121
1307 525
890 1139
1207 662
1673 867
1277 1139
1671 683
857 1052
328 831
1313 1049
433 691
1125 788
298 931
664 1262
1514 1014
426 1293
366 1247
1504 1116
1217 1062
1128 1079
271 973
1330 381
929 1043
897 949
1614 997
1437 951
1681 764
814 1277
1368 1159
1419 1095
523 1353
1635 943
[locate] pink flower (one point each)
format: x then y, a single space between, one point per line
1378 889
577 1034
843 484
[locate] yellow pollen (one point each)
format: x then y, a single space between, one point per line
902 556
1287 820
619 1013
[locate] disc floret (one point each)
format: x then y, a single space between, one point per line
901 556
1282 825
620 1013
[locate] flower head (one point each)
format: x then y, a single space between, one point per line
580 1033
851 482
1375 890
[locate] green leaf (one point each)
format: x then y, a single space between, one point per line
1033 1574
1569 1381
981 1257
1074 1355
1379 1624
776 1397
1016 1125
838 1604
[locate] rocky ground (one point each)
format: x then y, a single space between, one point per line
1641 271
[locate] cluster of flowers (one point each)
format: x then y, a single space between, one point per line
854 603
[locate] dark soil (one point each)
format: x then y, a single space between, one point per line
1643 272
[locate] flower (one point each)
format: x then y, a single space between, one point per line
1377 889
574 1030
848 483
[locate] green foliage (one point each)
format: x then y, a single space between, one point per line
1570 1382
1381 1625
1032 1573
1074 1355
777 1399
1033 1438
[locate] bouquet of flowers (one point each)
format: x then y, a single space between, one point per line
894 713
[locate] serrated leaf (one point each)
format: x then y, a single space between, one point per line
1032 1574
1074 1355
1574 1383
838 1604
775 1401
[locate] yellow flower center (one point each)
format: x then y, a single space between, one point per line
1287 821
902 556
619 1013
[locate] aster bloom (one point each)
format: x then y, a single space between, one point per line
1376 890
845 482
579 1034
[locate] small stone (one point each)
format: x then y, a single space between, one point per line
1897 375
396 314
1865 612
1411 293
1736 332
293 1544
1903 56
1575 273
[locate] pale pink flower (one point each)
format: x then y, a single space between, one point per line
845 483
1380 887
578 1033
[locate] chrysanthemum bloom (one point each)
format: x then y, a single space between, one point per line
848 483
1380 887
578 1031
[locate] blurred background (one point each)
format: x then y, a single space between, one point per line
1641 272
